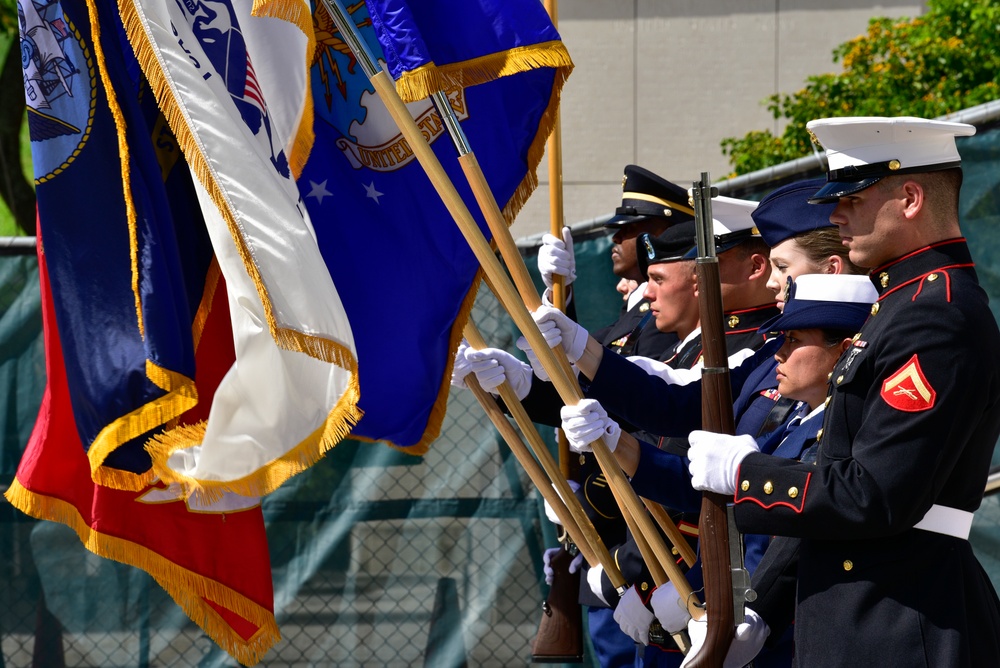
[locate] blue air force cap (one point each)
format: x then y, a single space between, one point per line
786 212
862 150
825 301
647 196
671 245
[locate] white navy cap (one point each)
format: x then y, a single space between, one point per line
825 301
731 223
861 150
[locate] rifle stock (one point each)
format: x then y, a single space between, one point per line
717 416
560 631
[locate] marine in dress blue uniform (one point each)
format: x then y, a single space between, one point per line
877 528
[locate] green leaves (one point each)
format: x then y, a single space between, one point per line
939 63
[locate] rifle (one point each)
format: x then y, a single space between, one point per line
721 553
560 632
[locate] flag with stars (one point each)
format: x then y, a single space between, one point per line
403 270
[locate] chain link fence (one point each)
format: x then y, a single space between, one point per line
378 557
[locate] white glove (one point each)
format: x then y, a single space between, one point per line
633 616
556 256
493 366
462 367
550 554
669 608
715 459
549 512
558 328
749 638
536 366
594 581
585 423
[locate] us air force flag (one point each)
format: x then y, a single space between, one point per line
381 226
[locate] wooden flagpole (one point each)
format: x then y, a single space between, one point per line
556 221
579 526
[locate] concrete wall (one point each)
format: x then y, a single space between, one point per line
659 83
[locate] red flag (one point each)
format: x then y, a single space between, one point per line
214 563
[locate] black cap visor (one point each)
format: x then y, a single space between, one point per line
832 191
622 220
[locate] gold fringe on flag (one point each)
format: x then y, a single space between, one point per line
188 589
297 13
270 476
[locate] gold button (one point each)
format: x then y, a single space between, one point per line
733 321
827 401
644 586
840 379
745 485
883 278
848 564
894 165
674 551
583 460
819 434
874 308
793 492
932 277
829 375
768 487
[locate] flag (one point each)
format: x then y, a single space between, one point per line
233 88
123 297
212 560
403 269
137 329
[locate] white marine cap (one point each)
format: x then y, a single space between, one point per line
861 150
731 223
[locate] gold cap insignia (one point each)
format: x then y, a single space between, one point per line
733 321
883 278
894 165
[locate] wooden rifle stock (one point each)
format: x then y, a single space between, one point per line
717 416
560 632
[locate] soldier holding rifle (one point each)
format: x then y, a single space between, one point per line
875 559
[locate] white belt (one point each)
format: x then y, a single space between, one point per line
949 521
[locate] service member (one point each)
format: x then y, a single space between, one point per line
879 524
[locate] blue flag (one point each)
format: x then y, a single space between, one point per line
113 220
404 272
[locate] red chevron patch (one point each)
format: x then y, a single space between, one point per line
908 389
